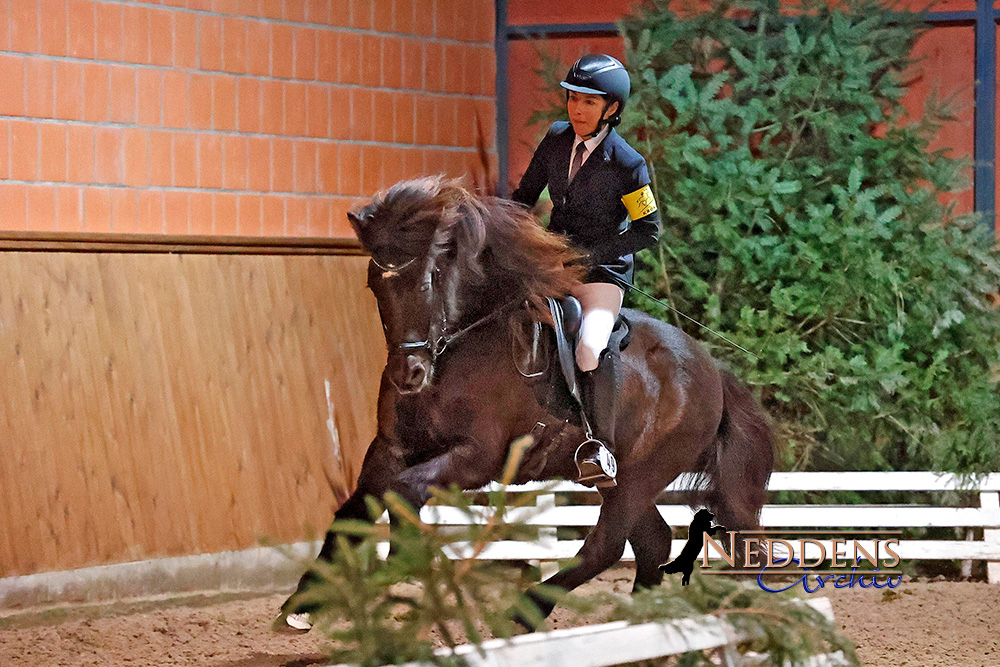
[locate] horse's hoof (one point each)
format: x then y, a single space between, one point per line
292 624
522 625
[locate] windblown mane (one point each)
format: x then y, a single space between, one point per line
486 238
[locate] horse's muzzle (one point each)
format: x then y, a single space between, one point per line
409 373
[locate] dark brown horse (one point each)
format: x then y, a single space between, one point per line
450 272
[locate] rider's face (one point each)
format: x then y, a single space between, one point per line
585 110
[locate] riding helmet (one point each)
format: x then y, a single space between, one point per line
600 74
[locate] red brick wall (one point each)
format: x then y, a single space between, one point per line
249 117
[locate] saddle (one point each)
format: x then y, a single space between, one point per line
567 316
535 350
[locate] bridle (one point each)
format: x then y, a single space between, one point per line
438 345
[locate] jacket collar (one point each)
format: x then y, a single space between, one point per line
595 141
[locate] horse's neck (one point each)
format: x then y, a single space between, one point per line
479 302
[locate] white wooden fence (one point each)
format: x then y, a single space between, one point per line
549 514
617 643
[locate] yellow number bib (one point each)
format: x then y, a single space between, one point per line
640 203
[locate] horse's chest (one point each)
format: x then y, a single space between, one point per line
432 423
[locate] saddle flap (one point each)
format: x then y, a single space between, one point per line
565 344
530 345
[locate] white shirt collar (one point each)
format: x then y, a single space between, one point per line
594 141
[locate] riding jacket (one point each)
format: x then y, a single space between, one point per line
595 209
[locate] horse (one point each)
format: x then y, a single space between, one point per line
451 272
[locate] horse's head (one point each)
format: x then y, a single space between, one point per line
431 241
416 232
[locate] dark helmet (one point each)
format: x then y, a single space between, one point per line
600 74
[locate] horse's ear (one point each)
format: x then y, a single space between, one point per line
358 222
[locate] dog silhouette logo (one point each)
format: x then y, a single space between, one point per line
701 524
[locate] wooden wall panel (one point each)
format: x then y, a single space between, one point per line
156 405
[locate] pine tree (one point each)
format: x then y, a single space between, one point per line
802 217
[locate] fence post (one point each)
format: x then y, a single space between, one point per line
990 502
547 535
382 548
970 535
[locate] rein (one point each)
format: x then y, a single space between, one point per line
441 343
482 320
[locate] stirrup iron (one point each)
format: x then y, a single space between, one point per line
596 464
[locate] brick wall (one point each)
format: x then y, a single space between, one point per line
249 117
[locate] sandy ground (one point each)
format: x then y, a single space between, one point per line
928 624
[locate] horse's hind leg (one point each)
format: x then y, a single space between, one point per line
650 540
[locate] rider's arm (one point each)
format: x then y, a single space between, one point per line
537 175
644 229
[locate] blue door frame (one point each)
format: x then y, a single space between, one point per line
984 18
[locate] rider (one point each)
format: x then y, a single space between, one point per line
598 184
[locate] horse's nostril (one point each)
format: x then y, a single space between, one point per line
416 371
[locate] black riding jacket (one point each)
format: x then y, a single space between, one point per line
590 210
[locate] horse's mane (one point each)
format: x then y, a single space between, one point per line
486 238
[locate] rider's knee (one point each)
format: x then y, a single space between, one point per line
586 357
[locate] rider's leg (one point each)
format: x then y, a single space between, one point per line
600 381
601 303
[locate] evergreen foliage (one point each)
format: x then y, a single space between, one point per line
390 611
788 631
802 218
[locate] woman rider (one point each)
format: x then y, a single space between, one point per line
599 186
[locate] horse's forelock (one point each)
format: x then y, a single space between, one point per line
454 217
405 217
444 217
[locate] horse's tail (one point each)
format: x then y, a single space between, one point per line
739 463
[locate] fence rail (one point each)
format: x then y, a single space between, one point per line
619 642
553 510
262 567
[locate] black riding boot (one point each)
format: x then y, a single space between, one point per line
599 390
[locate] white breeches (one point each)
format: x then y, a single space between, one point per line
601 303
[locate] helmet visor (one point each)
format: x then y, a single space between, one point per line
581 89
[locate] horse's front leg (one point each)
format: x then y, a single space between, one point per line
602 549
462 465
383 471
378 471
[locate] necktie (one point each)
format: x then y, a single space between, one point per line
581 150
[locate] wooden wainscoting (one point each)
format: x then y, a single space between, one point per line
157 404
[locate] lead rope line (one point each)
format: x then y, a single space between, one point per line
687 317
